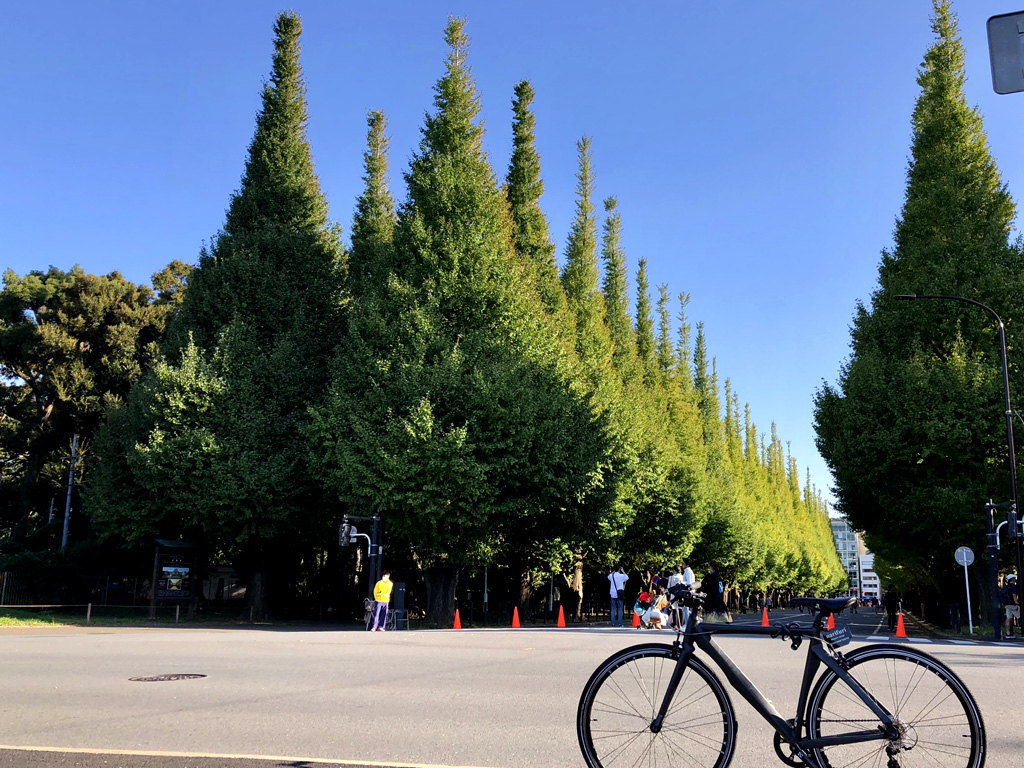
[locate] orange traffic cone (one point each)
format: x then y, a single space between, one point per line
636 619
901 631
831 621
764 617
458 624
561 617
515 618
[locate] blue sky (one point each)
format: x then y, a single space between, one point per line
758 150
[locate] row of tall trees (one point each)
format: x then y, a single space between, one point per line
444 373
914 429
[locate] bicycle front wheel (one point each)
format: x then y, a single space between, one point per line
622 698
938 720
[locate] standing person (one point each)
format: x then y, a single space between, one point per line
382 596
683 575
1010 598
617 590
892 606
715 589
676 578
688 577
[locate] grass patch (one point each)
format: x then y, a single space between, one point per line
138 616
103 616
22 618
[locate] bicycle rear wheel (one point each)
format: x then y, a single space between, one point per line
622 698
938 719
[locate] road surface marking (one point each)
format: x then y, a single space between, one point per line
217 756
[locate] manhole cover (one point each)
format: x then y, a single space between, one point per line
163 678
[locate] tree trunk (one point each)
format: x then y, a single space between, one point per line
525 595
576 588
441 582
257 597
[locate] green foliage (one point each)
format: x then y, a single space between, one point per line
913 431
69 343
454 411
523 189
616 297
211 444
374 224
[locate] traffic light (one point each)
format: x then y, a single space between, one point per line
1011 523
345 533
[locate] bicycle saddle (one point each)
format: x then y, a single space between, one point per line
828 605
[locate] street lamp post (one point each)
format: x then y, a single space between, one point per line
1009 436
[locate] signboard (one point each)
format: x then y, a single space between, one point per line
175 576
838 637
964 556
1006 52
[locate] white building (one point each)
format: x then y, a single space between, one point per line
868 578
857 561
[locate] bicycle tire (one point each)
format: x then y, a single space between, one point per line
939 720
622 698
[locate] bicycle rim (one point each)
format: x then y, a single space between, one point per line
622 698
939 722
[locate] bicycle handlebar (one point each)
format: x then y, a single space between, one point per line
681 593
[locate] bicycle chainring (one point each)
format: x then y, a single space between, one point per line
789 757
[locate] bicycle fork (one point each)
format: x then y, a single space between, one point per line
685 652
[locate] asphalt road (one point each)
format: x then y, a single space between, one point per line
486 698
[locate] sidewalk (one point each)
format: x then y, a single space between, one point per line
927 629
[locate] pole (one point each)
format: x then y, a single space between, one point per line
993 569
67 504
967 588
152 588
380 546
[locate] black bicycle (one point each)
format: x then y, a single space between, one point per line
885 706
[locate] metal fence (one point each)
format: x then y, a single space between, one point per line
13 590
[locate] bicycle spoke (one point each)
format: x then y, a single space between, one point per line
616 715
933 722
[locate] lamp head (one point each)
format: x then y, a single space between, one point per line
905 297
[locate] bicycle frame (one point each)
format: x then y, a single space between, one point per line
692 638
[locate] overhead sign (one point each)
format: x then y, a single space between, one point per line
1006 52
